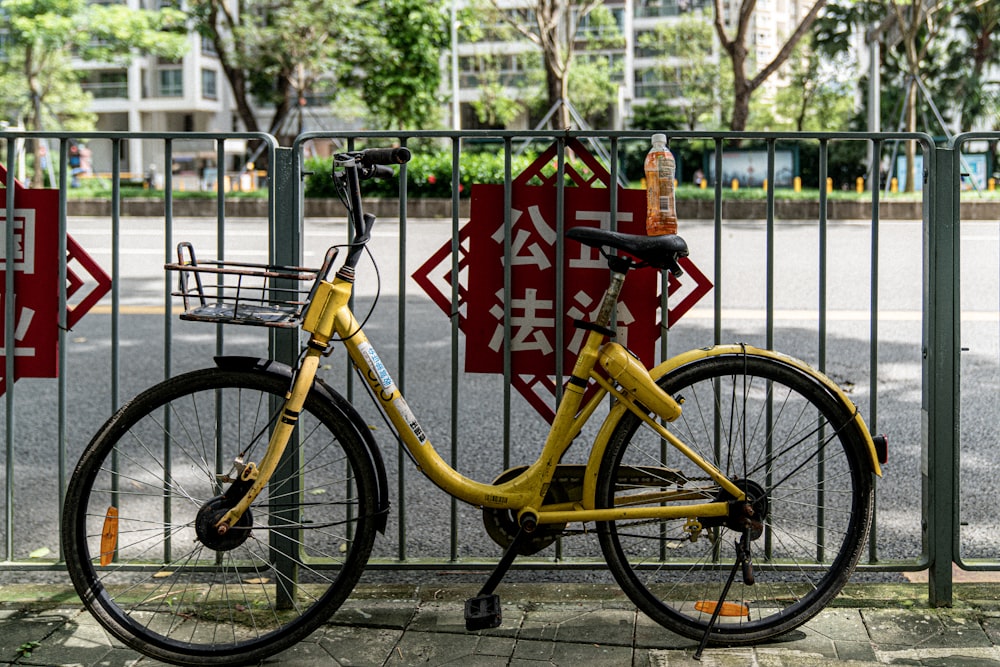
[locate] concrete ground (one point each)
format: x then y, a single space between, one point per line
548 624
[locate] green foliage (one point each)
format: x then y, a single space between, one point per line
428 174
401 71
592 88
39 83
685 48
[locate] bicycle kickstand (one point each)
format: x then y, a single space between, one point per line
483 611
743 562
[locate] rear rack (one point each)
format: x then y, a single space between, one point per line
244 293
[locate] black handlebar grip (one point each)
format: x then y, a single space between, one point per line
373 156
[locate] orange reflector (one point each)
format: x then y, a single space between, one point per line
728 608
109 536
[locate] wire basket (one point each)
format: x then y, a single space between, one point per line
243 293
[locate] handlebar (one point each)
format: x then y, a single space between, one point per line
374 156
370 158
357 166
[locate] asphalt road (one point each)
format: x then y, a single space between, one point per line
421 526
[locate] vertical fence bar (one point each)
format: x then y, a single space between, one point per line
220 213
822 264
401 455
63 327
769 299
9 341
116 177
507 258
560 302
873 335
455 318
821 352
168 229
717 224
940 403
168 254
285 486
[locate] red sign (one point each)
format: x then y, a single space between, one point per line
36 281
532 290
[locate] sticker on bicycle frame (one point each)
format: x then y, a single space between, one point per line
404 410
377 370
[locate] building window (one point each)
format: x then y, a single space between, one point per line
171 83
209 77
106 84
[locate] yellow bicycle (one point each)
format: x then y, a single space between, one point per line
224 514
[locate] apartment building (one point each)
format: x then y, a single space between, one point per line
192 94
155 95
641 72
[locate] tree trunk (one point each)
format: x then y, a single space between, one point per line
741 89
557 92
911 146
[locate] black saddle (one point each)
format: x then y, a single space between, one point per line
661 252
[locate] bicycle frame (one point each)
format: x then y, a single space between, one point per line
329 315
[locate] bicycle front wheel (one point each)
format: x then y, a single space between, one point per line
138 526
801 459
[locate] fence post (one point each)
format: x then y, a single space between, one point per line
286 249
940 402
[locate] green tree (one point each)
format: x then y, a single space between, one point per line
685 48
975 48
275 54
402 71
554 26
819 95
495 106
41 85
737 48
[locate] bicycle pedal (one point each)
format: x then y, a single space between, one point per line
483 612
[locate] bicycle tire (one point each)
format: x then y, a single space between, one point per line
809 473
176 595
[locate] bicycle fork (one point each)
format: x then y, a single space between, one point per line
319 322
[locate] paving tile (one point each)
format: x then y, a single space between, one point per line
591 655
892 628
533 650
501 647
427 648
649 634
375 613
354 646
606 627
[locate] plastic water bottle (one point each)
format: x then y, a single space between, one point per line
661 211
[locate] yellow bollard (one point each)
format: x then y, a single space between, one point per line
894 185
764 185
859 185
736 184
991 184
829 185
797 184
704 184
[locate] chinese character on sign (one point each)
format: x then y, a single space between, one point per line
35 231
530 300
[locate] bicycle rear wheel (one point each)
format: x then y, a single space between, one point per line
798 454
138 526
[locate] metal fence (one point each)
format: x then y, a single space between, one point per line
869 289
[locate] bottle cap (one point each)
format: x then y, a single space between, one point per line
659 139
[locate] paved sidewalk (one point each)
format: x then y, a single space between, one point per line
548 624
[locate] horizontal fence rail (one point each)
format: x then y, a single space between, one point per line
787 273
